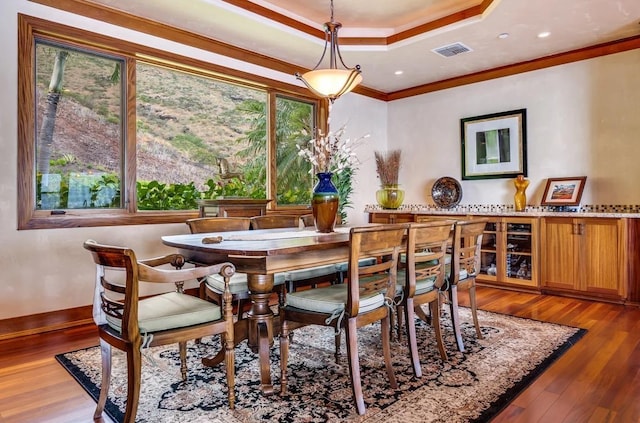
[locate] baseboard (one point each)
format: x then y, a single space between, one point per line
45 322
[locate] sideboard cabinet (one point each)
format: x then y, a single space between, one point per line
589 257
585 257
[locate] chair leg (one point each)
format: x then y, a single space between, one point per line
422 315
385 325
338 340
411 337
229 362
182 347
400 313
240 303
105 353
134 368
284 357
455 317
474 308
434 307
354 364
392 319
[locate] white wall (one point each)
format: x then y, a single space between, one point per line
582 119
362 116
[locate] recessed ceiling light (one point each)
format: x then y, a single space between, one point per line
503 35
398 72
544 34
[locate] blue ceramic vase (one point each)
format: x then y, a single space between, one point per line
324 203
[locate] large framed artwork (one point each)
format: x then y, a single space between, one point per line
495 145
563 191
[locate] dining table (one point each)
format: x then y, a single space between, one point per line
260 254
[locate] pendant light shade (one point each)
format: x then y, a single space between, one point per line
331 82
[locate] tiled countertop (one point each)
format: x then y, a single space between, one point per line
632 211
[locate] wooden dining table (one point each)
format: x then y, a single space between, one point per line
260 254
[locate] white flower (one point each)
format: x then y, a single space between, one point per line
330 153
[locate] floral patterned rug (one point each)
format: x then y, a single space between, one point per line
469 387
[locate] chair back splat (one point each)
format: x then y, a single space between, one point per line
272 221
131 324
218 224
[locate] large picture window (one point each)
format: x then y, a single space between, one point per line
106 138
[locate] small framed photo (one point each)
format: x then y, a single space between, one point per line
495 145
563 191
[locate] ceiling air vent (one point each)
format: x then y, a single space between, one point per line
451 49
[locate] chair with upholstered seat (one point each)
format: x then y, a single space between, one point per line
465 266
132 324
361 301
295 279
213 286
422 277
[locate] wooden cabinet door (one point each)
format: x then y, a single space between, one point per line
520 245
559 248
601 256
509 253
391 217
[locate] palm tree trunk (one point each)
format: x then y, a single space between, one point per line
49 120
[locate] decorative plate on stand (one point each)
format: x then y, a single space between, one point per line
446 192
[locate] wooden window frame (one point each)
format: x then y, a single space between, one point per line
30 29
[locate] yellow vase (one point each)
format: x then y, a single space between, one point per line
520 197
390 197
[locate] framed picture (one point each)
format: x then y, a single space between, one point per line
494 146
563 191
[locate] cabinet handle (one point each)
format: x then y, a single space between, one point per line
581 229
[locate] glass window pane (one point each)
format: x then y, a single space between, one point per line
294 127
197 138
79 129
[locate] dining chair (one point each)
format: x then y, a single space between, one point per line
295 279
340 268
132 324
213 286
361 301
421 273
273 221
465 266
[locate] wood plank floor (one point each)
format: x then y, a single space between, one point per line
598 380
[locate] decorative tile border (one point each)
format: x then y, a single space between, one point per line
507 208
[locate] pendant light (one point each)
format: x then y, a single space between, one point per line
331 82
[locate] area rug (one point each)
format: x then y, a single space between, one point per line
470 387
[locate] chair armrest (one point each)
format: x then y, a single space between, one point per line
147 273
176 260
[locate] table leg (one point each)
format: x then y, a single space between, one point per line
260 325
256 328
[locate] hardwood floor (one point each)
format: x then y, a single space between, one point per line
597 380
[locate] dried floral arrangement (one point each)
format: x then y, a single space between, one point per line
388 166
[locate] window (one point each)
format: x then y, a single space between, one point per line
194 137
108 138
78 119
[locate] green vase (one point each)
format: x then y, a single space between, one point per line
324 203
390 196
